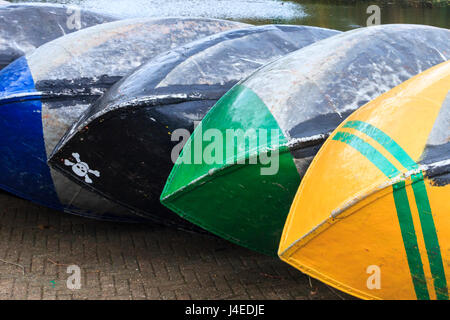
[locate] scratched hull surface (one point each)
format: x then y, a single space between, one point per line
19 34
168 93
302 98
41 99
385 183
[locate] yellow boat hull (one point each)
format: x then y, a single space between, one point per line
372 214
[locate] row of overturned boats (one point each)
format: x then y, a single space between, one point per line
93 118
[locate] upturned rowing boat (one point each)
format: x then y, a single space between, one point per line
19 34
241 189
41 98
149 111
371 214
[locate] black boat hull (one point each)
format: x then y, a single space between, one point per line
132 134
41 98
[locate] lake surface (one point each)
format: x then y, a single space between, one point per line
323 13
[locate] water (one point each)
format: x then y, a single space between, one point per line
349 16
231 9
324 13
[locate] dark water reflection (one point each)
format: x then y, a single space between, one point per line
350 15
335 14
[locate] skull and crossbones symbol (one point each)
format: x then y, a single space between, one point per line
81 169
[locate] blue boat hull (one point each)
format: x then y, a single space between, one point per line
40 98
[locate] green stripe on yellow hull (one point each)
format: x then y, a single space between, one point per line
403 206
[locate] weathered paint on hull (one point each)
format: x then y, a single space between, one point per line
383 199
40 99
302 97
19 34
167 93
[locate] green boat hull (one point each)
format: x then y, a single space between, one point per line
303 96
253 207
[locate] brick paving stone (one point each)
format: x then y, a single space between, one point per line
34 293
133 261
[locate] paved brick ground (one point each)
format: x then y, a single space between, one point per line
126 261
